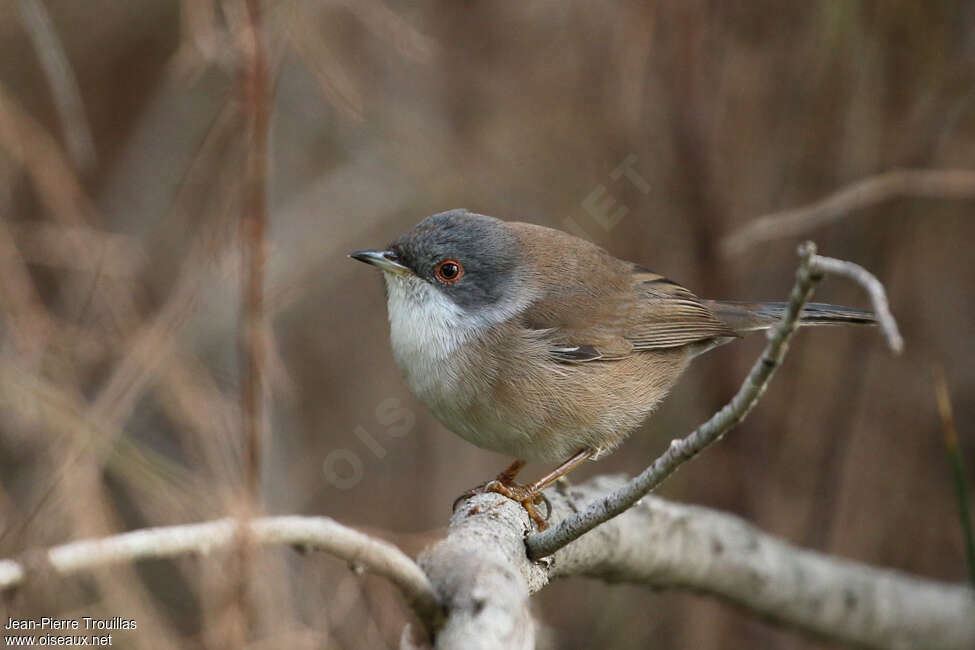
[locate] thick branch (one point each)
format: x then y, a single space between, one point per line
661 544
936 184
484 578
318 533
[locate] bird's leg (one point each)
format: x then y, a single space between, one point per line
508 476
531 495
580 457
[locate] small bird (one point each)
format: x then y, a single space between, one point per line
534 343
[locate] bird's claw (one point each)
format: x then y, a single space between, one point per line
526 495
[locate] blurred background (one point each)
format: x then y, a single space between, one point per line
655 129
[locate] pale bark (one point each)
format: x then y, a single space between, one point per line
474 588
314 533
662 544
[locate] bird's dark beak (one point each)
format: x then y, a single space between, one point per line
385 260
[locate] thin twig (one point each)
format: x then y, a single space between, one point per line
958 474
148 345
681 450
316 533
60 245
64 86
873 286
29 322
935 184
29 144
253 226
80 434
338 87
253 240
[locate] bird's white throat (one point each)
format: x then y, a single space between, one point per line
425 326
428 332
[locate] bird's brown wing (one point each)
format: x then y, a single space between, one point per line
592 306
632 312
669 315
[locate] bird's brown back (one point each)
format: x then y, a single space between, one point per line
590 298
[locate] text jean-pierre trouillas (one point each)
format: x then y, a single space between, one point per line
82 623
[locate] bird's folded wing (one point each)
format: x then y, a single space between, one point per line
671 315
646 312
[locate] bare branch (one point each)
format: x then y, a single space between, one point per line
485 579
338 87
878 297
30 323
318 533
253 227
64 86
662 544
60 246
29 144
811 268
253 330
936 184
682 450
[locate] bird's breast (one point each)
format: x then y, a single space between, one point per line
428 333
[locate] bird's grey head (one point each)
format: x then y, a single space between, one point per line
470 259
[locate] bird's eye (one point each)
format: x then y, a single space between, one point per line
449 271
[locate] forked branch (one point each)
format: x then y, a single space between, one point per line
661 544
811 269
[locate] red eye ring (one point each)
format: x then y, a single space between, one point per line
449 271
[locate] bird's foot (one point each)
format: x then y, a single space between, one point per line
527 495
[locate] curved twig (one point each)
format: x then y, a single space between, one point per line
933 183
64 86
811 268
682 450
873 286
319 533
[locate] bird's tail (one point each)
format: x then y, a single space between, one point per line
745 317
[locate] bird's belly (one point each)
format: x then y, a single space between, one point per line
483 422
522 404
465 400
544 418
466 408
